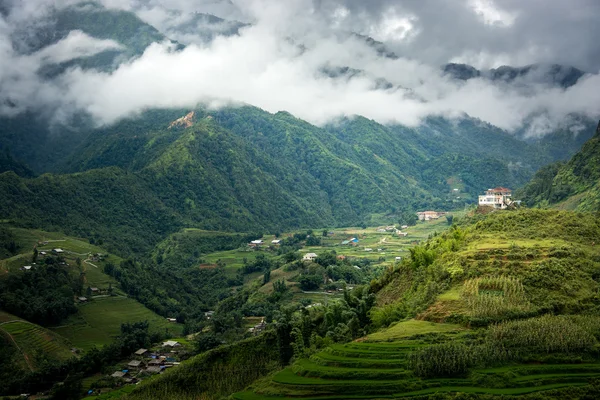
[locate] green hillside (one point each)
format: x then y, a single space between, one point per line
246 170
574 185
506 304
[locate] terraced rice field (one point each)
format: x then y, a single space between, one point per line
379 369
34 340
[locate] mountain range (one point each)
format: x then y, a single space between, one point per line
239 168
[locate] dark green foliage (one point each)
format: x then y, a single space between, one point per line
8 244
8 163
577 180
206 341
179 293
408 218
44 294
186 248
310 282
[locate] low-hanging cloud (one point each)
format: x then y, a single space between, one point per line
278 63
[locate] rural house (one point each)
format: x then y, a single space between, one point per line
309 257
498 198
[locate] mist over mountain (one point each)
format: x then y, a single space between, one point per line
110 62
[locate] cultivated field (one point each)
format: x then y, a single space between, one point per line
98 322
379 367
36 343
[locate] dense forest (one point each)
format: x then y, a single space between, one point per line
43 294
572 185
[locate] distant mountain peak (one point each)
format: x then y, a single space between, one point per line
554 74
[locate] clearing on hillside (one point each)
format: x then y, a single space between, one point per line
98 322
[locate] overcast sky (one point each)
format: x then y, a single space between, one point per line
276 62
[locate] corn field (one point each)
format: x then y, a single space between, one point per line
494 296
546 334
448 359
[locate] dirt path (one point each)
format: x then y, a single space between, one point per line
25 356
93 265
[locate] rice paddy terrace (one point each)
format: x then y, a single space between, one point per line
521 290
34 343
376 368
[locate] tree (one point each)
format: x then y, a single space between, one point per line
88 291
326 259
34 257
266 276
325 233
408 218
310 282
206 341
449 218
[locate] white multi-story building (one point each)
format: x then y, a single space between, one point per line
499 197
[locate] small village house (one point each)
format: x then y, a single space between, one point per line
309 257
498 198
171 343
429 215
142 352
135 364
119 374
256 243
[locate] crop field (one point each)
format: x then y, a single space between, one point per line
98 322
379 367
34 340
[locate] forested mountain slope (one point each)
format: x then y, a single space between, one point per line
243 169
571 185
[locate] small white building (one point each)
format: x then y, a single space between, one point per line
309 257
171 343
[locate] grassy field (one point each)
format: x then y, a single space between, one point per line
99 321
410 328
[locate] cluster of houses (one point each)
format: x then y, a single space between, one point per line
259 243
429 215
149 363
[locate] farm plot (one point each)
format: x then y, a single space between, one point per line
377 368
35 341
97 323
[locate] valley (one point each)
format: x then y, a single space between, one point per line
310 200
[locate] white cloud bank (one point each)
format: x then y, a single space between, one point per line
276 64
